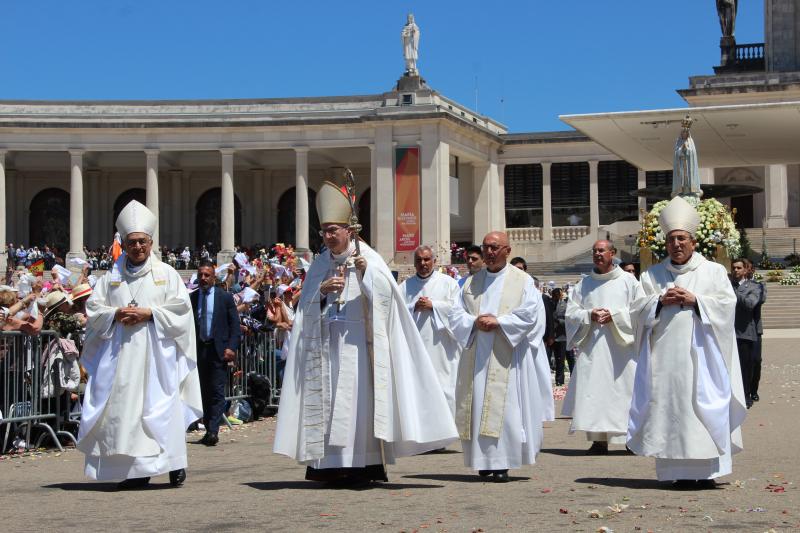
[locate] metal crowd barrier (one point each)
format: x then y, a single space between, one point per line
22 405
256 355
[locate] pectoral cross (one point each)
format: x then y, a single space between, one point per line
133 303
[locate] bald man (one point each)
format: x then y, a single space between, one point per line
598 323
499 409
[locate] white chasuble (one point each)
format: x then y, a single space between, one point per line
143 389
498 400
688 400
358 373
434 326
599 395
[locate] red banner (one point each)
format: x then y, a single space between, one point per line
407 200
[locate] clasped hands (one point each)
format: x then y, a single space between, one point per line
678 296
130 316
601 315
423 304
487 322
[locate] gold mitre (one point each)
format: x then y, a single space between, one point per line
679 215
136 218
333 207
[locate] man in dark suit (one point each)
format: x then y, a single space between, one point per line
218 333
748 296
759 329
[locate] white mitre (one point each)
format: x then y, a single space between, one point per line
333 206
679 215
136 218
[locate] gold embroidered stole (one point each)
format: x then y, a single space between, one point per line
494 400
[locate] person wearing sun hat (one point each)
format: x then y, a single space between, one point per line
140 354
359 388
688 401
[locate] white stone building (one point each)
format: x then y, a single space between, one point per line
241 172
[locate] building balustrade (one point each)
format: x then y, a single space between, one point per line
560 233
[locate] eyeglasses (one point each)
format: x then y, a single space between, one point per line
493 247
330 230
137 242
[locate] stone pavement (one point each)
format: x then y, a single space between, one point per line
241 485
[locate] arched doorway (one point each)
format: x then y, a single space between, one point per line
140 195
49 220
364 210
208 219
286 223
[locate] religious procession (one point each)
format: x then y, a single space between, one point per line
369 370
393 348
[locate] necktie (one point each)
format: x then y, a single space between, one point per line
204 315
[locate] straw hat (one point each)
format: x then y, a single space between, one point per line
54 300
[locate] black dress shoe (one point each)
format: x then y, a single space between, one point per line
485 473
211 439
202 440
706 484
598 448
133 483
754 397
500 476
177 477
684 484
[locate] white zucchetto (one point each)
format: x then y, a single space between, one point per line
679 215
136 218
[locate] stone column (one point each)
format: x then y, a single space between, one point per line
435 192
259 207
706 176
3 241
94 233
228 209
301 200
152 193
482 216
175 237
76 205
382 189
547 203
594 199
641 183
13 228
501 197
777 195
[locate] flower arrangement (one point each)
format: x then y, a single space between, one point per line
774 275
716 229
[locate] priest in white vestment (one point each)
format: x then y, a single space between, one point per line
688 401
143 389
499 408
429 296
599 325
359 388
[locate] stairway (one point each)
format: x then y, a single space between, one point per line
780 241
781 309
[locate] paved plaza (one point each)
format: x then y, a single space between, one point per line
241 485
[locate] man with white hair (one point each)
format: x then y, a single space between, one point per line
429 296
688 401
140 353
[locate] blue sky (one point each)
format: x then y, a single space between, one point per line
531 60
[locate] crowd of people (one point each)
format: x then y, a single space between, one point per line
377 370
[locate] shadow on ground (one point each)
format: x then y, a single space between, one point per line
316 485
625 483
462 478
103 487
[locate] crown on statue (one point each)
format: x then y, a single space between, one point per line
686 123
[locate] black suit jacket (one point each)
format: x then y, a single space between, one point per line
225 330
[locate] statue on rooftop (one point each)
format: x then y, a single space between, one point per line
685 169
410 37
726 9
